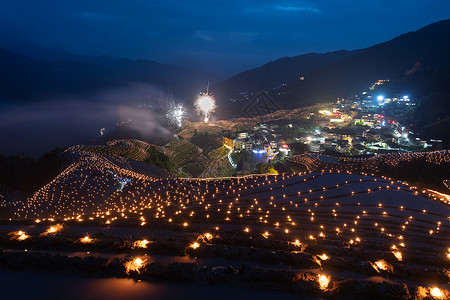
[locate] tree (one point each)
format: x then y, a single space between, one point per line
159 159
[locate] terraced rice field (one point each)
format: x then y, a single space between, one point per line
325 234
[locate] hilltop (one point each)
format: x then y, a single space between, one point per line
328 76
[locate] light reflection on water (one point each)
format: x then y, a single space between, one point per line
49 286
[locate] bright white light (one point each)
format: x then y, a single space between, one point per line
261 151
325 112
176 113
380 98
205 104
405 97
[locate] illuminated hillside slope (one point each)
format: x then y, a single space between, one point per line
357 229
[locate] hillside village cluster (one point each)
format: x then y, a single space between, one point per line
350 126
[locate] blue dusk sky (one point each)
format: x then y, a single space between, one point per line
224 37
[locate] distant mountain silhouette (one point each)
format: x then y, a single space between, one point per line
23 78
417 63
403 60
284 70
46 53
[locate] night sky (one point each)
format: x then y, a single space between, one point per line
220 36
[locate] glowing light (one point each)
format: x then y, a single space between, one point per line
382 265
19 235
207 236
324 257
323 281
194 245
176 113
135 265
325 112
53 229
205 105
423 292
86 239
191 199
141 244
436 293
397 255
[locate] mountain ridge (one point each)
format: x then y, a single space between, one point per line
23 78
342 76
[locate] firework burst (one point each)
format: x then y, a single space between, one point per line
205 104
176 113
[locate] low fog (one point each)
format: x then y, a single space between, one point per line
30 129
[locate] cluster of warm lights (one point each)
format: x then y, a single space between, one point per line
206 237
323 257
135 265
398 255
86 239
194 245
323 281
53 229
283 207
319 258
320 162
434 292
382 265
137 207
141 243
19 235
297 243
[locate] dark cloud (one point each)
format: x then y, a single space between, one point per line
225 36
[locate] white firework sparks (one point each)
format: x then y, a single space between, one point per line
176 113
205 104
